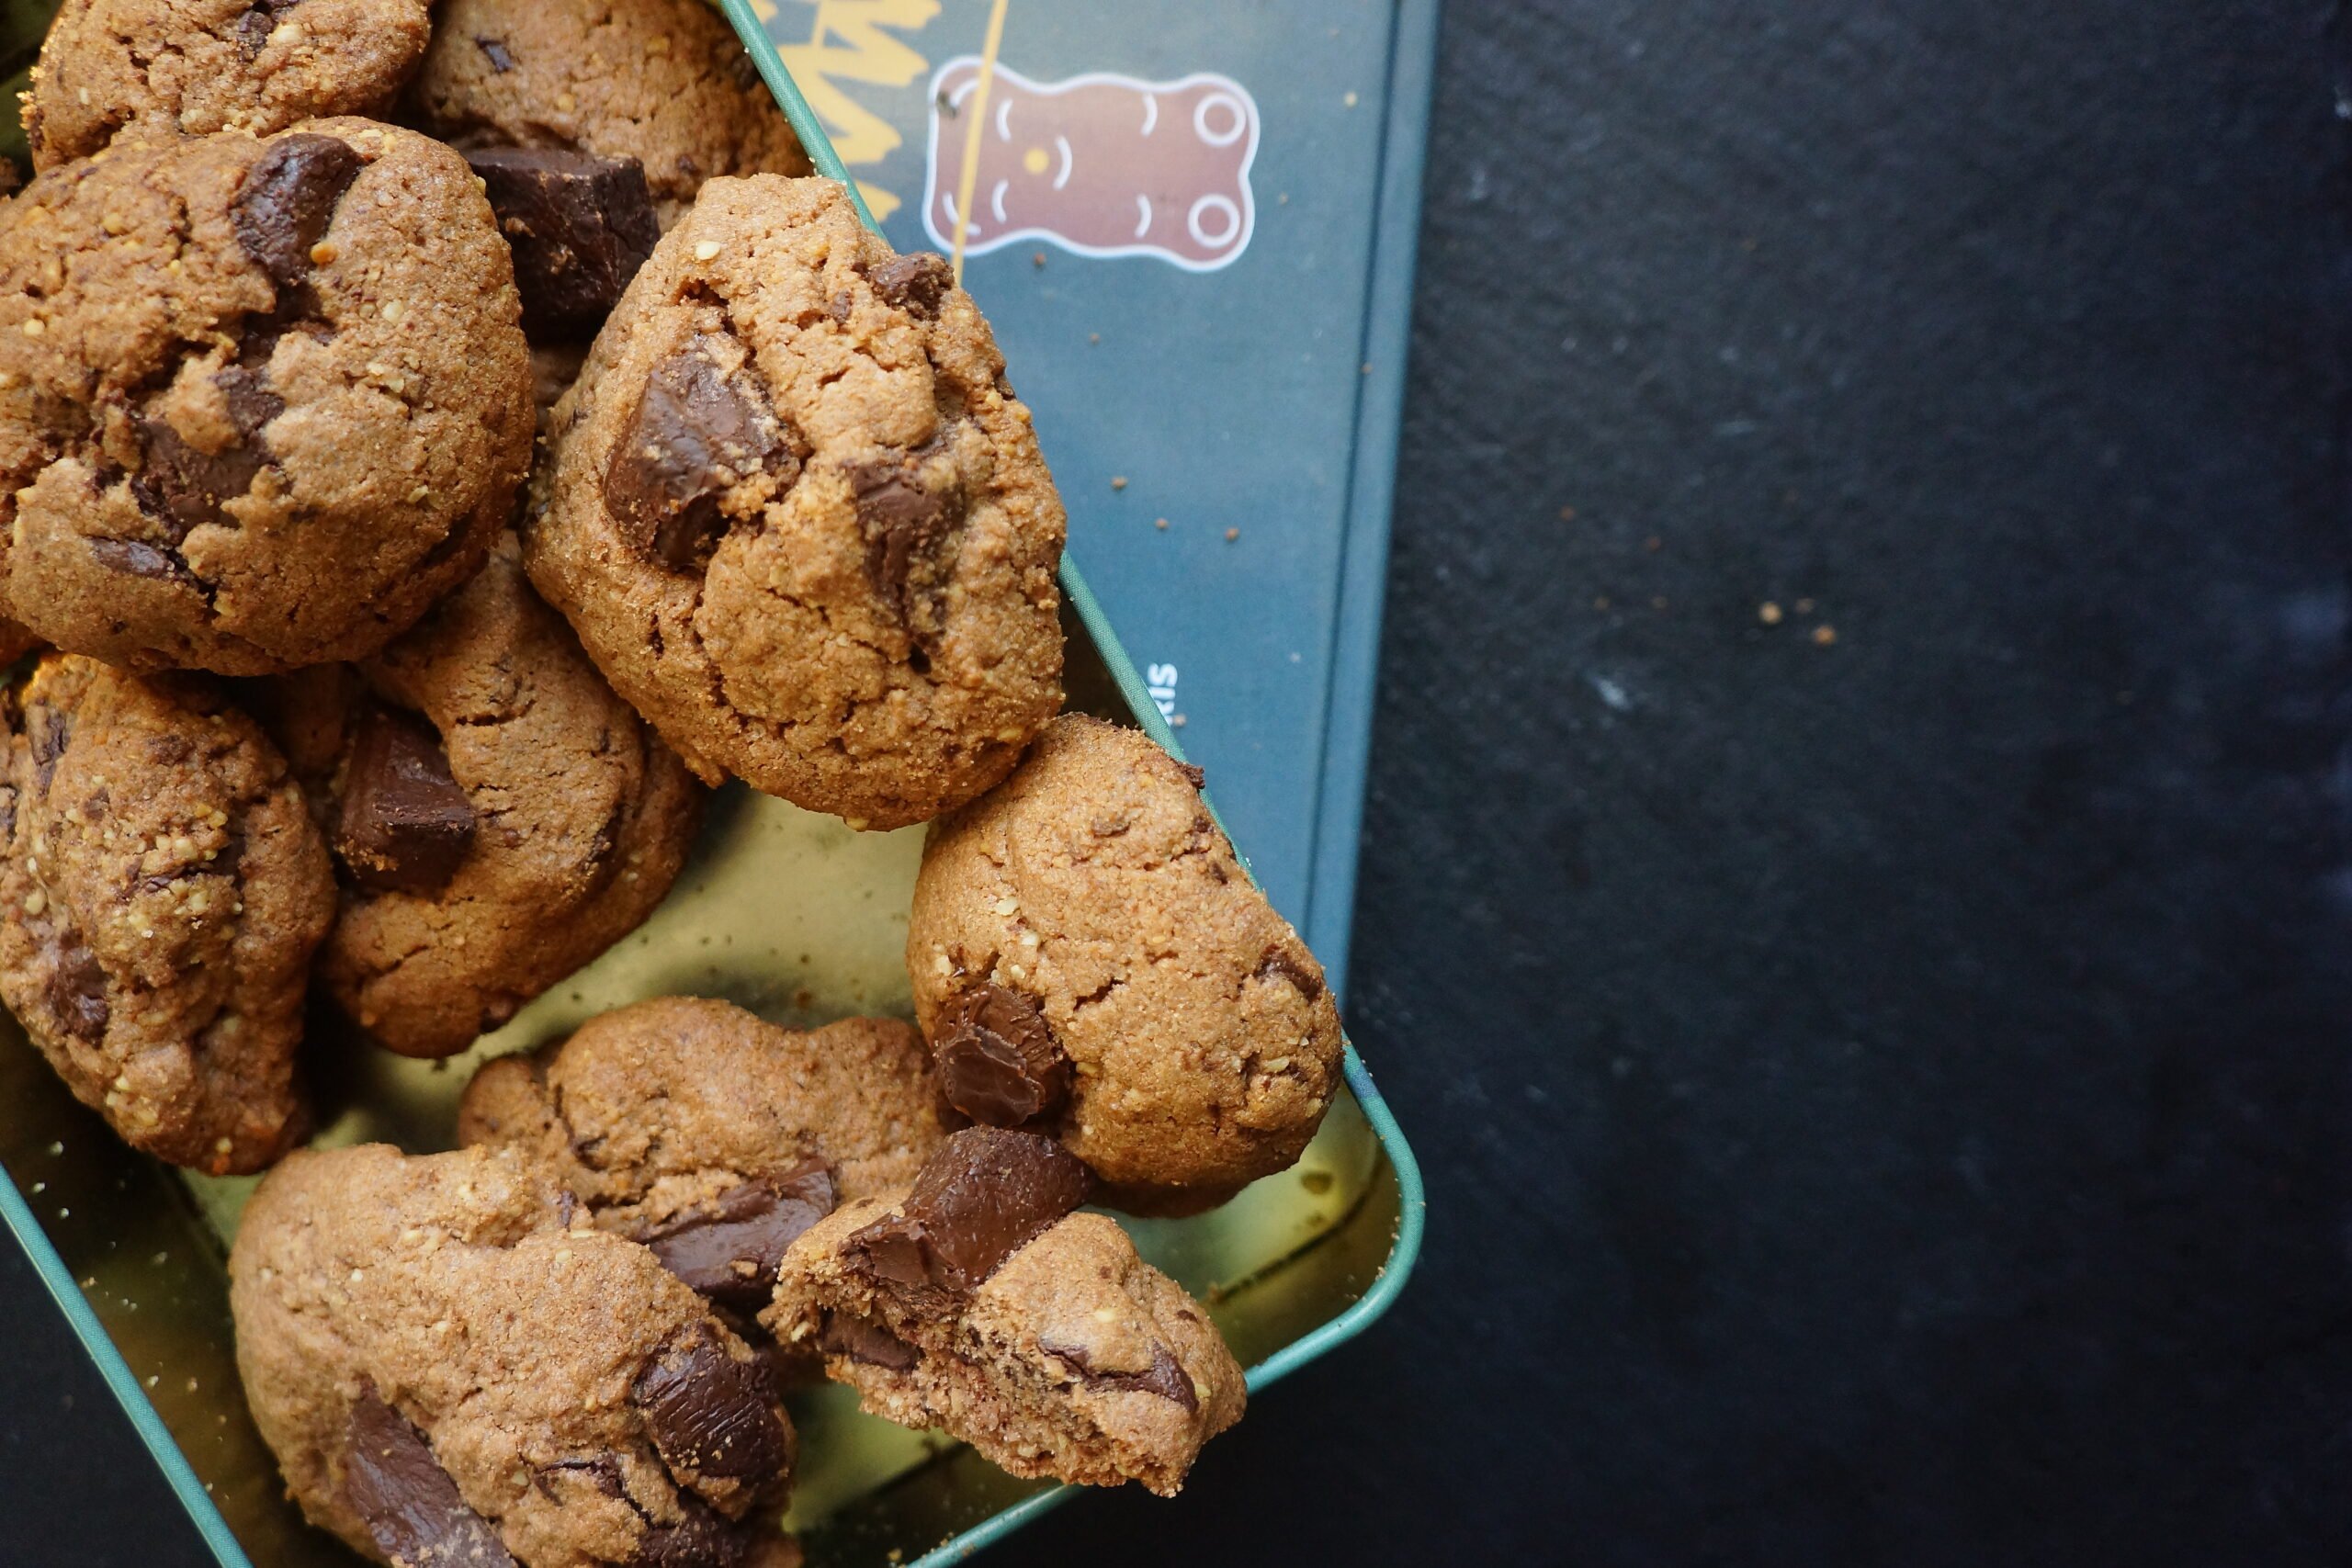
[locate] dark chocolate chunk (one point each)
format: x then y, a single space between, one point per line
495 50
862 1339
580 227
405 823
904 521
710 1414
289 199
701 1539
1167 1377
253 28
730 1253
1279 962
696 433
983 1195
407 1502
47 730
1195 773
133 558
76 991
998 1061
915 282
191 485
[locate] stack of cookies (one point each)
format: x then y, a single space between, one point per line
438 446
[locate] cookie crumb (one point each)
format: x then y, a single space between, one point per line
1118 481
1804 607
1568 515
1231 535
1159 523
1769 613
1824 635
1038 259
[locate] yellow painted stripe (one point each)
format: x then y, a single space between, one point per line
970 177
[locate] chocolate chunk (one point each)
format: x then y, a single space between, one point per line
191 485
982 1196
76 991
1196 774
730 1253
47 730
407 1502
862 1339
701 1539
134 559
289 199
904 521
1167 1377
998 1061
710 1414
1278 961
253 28
696 433
405 823
915 282
580 227
496 51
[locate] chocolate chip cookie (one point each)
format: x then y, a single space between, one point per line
665 82
157 69
261 402
798 517
448 1376
979 1302
498 817
1089 958
712 1136
162 894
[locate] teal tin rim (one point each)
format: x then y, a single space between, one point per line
1404 1252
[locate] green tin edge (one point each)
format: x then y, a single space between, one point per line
119 1378
1412 1203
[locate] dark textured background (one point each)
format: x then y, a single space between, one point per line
1881 1101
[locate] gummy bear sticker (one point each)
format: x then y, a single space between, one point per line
1102 165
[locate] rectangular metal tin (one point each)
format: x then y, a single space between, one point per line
133 1251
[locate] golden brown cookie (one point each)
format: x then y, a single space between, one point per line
449 1376
499 817
710 1134
261 402
980 1304
162 894
665 82
156 68
798 517
1089 958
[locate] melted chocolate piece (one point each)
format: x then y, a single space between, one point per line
580 227
731 1254
696 433
1167 1377
710 1414
409 1503
1278 961
289 199
495 50
998 1061
903 520
76 992
405 823
915 282
982 1196
862 1339
190 485
134 559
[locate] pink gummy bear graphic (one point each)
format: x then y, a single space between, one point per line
1101 164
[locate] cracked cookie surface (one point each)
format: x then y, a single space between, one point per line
449 1374
798 519
1090 959
499 817
261 402
711 1133
166 68
162 896
977 1303
665 82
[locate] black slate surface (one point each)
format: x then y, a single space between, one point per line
1883 1101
